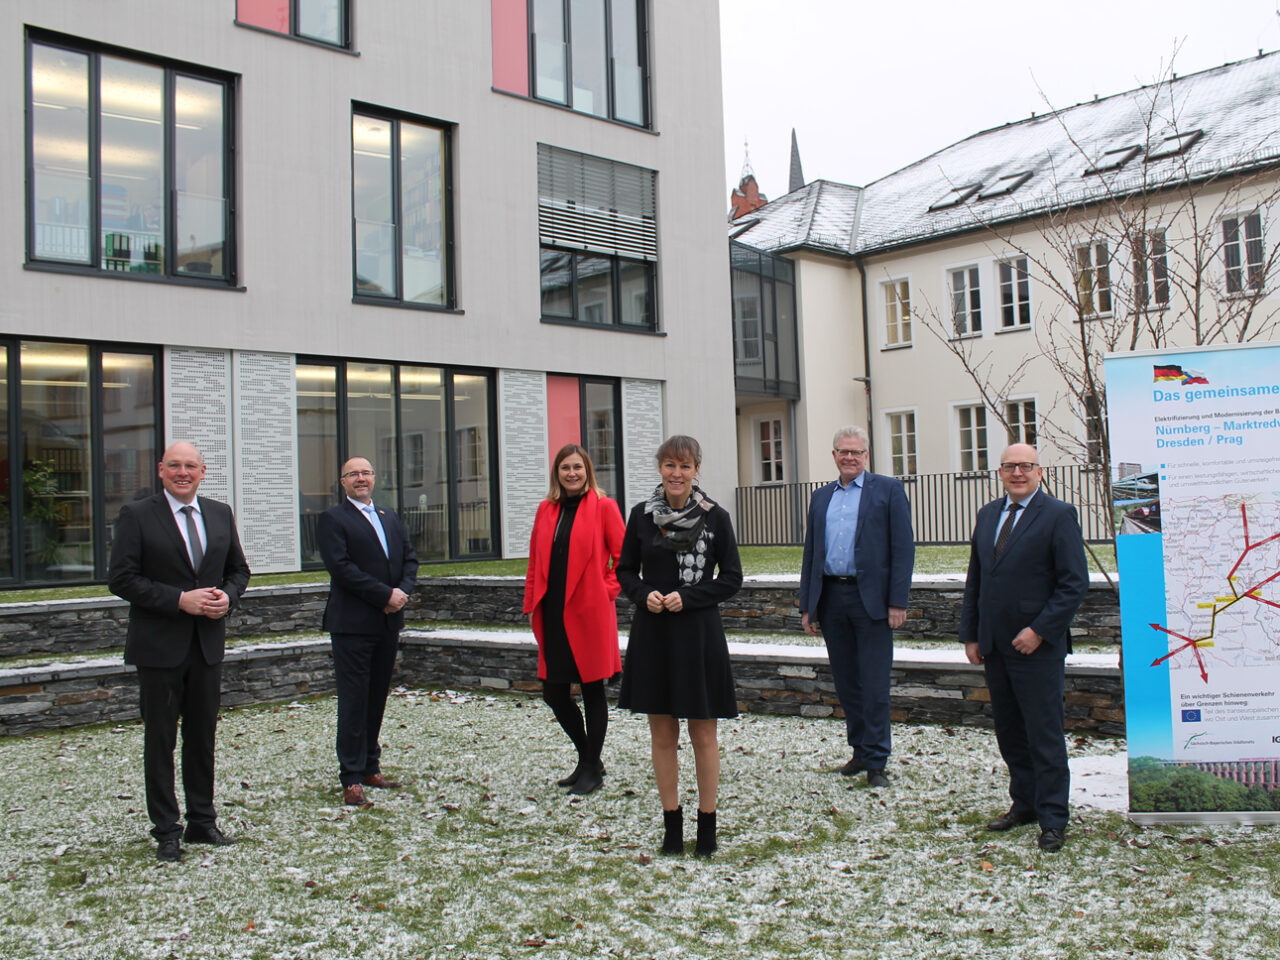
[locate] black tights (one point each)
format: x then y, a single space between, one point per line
589 739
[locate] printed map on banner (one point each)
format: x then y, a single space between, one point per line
1222 582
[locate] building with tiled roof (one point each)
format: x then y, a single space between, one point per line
989 254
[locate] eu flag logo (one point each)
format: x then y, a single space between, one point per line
1190 716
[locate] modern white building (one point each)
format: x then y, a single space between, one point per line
447 236
951 306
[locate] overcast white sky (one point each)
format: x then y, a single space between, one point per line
872 85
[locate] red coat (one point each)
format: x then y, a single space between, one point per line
591 586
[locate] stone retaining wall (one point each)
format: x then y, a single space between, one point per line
783 680
64 627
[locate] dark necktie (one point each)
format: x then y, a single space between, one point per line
1007 530
193 537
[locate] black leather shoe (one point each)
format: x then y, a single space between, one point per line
169 850
854 766
572 778
876 778
210 835
1051 839
589 780
1007 821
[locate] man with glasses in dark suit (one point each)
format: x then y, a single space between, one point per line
373 569
1027 577
177 559
854 586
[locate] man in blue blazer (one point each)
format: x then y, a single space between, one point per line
1027 577
373 569
177 559
854 586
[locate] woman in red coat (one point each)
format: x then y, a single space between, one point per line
569 592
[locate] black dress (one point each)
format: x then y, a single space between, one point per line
678 663
556 653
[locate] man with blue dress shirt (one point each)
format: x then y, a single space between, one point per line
854 587
373 569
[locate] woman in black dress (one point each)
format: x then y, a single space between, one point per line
679 562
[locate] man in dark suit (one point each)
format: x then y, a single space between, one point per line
1027 577
854 586
176 558
372 571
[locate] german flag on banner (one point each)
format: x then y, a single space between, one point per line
1165 372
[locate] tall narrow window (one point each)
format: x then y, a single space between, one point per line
602 432
130 164
1150 271
1095 439
769 445
897 313
966 301
1015 293
401 212
1242 253
316 387
902 443
589 55
325 21
1093 278
1020 416
972 423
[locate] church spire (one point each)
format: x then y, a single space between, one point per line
797 175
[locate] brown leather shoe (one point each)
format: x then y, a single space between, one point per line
353 796
379 782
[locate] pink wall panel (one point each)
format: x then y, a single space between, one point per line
268 14
510 46
564 414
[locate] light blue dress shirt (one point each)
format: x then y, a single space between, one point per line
842 524
371 514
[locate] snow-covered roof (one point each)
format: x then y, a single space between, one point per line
1222 120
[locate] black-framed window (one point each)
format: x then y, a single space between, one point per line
430 433
596 289
129 163
401 199
602 431
80 436
320 21
590 55
765 352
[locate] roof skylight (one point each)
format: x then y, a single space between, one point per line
1173 145
1113 159
1005 185
955 196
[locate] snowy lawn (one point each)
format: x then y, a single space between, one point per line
480 855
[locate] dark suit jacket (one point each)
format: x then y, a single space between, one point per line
883 542
361 576
1039 581
150 567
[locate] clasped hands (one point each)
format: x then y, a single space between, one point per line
398 599
205 602
671 602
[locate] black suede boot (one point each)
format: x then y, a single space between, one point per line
706 844
590 779
673 837
572 778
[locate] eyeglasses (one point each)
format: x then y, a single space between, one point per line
352 474
1015 467
850 453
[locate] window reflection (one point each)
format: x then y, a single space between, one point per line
425 460
6 515
60 153
128 431
198 176
590 65
422 185
375 229
318 465
600 428
132 158
371 425
321 20
56 489
472 490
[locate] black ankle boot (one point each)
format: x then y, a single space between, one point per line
590 779
706 844
573 777
673 836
